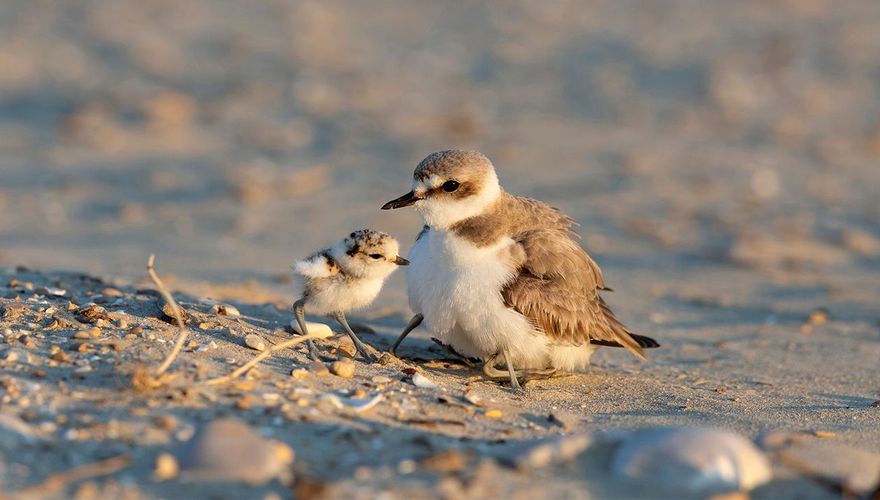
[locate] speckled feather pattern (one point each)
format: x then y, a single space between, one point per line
346 276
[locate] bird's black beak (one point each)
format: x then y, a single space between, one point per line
404 201
400 261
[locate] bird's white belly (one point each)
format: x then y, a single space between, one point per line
456 286
335 295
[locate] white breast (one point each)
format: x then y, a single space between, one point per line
336 294
457 287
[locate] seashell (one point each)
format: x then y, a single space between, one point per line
359 405
228 450
694 460
420 380
255 342
320 329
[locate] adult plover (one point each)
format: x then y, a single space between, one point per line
344 277
500 277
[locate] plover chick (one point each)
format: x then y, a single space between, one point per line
500 277
345 277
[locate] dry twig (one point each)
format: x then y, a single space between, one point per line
61 479
260 357
181 337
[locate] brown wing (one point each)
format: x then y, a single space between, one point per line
558 289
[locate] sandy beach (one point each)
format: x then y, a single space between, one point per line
722 160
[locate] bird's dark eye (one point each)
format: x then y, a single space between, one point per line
376 256
450 186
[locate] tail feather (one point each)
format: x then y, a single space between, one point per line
643 342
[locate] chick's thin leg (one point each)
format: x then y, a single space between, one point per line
412 325
361 348
299 311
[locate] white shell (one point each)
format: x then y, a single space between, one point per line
357 405
420 380
694 460
319 329
255 342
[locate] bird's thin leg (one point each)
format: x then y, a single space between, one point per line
412 325
299 312
361 348
514 383
493 373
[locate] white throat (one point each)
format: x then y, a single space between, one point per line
443 213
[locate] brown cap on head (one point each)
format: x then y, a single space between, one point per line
450 174
452 163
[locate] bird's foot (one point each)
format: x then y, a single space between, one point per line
314 355
455 354
365 353
493 373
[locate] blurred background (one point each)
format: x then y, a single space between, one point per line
232 137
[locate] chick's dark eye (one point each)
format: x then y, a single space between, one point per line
376 256
450 186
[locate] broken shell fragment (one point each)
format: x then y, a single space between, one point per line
225 310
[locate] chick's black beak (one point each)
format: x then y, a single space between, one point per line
404 201
400 261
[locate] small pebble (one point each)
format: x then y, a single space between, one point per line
380 379
299 373
407 466
165 422
255 342
818 317
825 434
446 462
343 368
10 356
61 357
166 467
495 414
